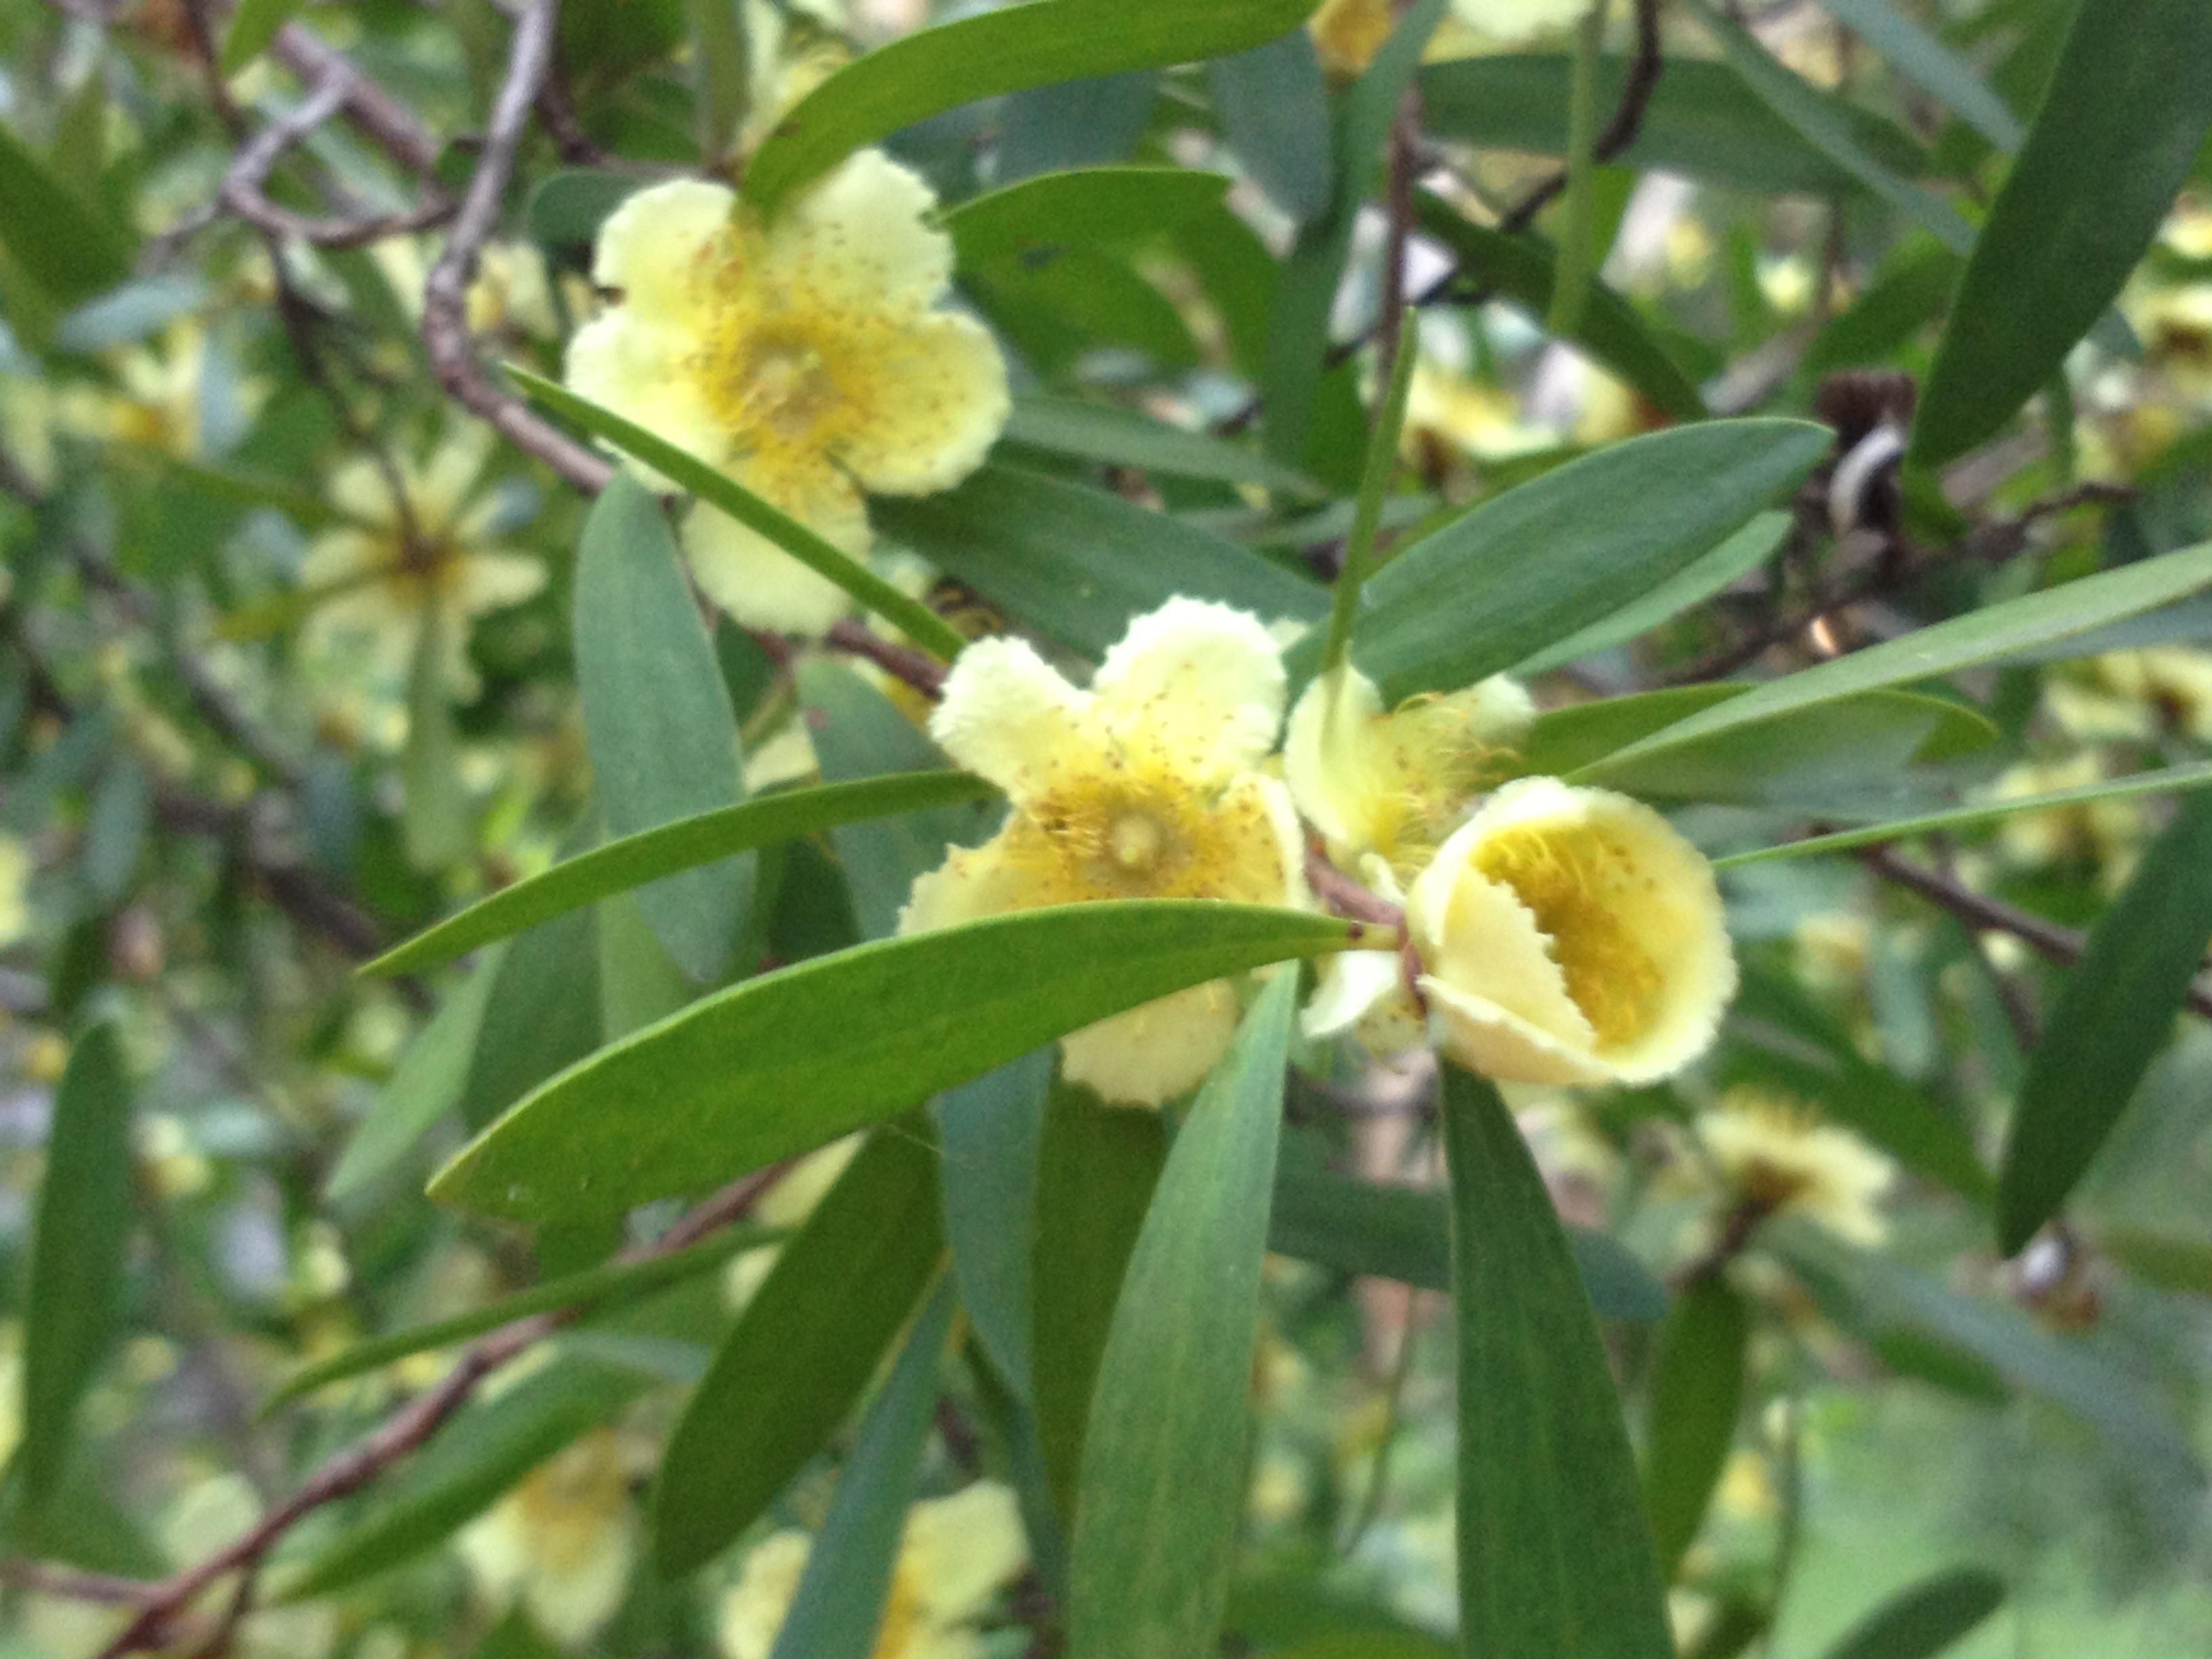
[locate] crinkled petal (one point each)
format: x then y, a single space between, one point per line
662 248
973 881
1156 1051
860 243
1325 760
643 373
753 578
1201 681
1352 985
1007 715
935 403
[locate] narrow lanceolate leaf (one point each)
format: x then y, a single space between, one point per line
626 1281
1163 1458
484 1451
1737 555
657 717
720 76
1077 563
77 1245
1534 565
1035 220
1697 1393
1034 44
2116 1012
1123 437
425 1085
990 1130
1554 1558
435 822
543 1012
839 1606
917 621
2166 780
1929 65
1524 269
2122 118
684 845
1824 125
1922 1620
1273 110
61 245
796 1058
2056 613
1096 1168
803 1348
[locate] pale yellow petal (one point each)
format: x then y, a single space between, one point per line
1156 1051
1350 986
754 579
859 244
1325 761
1201 683
1007 715
340 556
753 1609
493 581
962 1550
972 883
644 372
436 493
661 248
935 401
359 489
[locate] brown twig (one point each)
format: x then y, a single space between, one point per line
2053 943
445 295
381 116
403 1432
245 186
44 1578
924 673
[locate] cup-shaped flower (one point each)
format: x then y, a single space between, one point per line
563 1541
1145 785
806 357
1569 935
1778 1157
427 544
1390 782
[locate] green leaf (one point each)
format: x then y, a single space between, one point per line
1077 563
541 1013
721 78
488 1447
1929 65
1163 1457
1074 124
567 210
115 824
1532 566
1097 1166
1124 437
2125 113
1701 121
1306 291
717 488
2114 1013
253 25
1035 221
2165 1260
1736 556
1554 1558
990 1130
68 250
423 1087
657 717
639 981
1524 270
435 824
857 733
2166 780
1405 1233
619 1282
1274 111
78 1242
1924 1619
1908 292
838 1606
803 1348
1697 1395
1581 734
933 70
2056 613
796 1058
1824 124
688 843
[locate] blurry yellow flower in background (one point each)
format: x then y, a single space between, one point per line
955 1557
2105 834
2173 681
790 50
1390 783
1346 34
511 292
1570 935
2175 325
561 1542
403 554
15 868
157 397
1449 416
1777 1156
1145 785
806 357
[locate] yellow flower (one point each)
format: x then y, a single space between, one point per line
2176 679
1388 783
511 292
1777 1154
785 63
1346 34
401 554
2175 324
15 887
1448 416
1513 23
1142 786
563 1541
1569 935
805 357
956 1553
2106 833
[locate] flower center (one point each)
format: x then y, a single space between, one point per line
1137 841
785 387
1572 881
